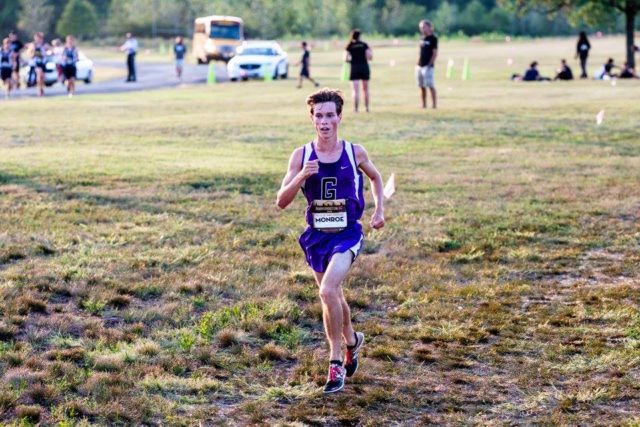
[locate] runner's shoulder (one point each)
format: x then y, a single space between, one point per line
360 152
296 156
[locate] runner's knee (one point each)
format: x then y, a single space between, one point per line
329 293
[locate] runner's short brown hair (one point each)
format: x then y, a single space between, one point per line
326 95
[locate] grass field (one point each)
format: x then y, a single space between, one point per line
147 277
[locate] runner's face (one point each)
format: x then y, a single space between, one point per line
326 119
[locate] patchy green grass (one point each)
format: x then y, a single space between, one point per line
147 277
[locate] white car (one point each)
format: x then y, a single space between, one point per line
255 58
84 70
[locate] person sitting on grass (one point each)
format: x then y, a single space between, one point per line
564 73
530 75
628 72
606 72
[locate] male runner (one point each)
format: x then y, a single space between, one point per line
39 58
304 67
329 171
6 66
69 61
16 46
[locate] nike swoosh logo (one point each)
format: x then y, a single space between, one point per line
344 167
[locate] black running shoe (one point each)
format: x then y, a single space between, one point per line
335 379
351 359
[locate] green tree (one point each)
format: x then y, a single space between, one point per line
473 18
445 18
399 18
8 15
78 18
589 11
35 15
500 20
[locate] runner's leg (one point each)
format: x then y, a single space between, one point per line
332 301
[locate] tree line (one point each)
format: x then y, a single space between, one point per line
307 18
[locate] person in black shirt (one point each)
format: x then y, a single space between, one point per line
582 51
606 72
358 53
16 47
425 67
304 67
628 72
564 73
179 49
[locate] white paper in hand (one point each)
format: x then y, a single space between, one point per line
600 117
390 188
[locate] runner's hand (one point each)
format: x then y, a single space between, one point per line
377 220
310 168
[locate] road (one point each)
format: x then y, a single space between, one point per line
150 76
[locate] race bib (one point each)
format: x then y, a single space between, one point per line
329 215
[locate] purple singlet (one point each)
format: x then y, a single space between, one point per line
340 180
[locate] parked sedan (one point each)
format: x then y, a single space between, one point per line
84 70
255 58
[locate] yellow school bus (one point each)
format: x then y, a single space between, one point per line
216 38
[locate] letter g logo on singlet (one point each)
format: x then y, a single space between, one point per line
329 185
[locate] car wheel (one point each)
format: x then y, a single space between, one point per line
244 79
286 73
89 77
234 79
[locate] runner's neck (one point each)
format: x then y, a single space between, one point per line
327 145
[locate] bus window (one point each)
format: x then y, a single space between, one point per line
225 30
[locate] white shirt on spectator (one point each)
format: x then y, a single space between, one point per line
130 46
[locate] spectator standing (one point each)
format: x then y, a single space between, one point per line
130 47
425 71
358 54
582 52
179 50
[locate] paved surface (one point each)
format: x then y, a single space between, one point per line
150 76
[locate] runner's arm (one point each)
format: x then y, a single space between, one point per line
294 178
367 166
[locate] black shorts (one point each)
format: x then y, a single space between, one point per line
16 65
5 73
304 72
359 72
41 65
69 71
